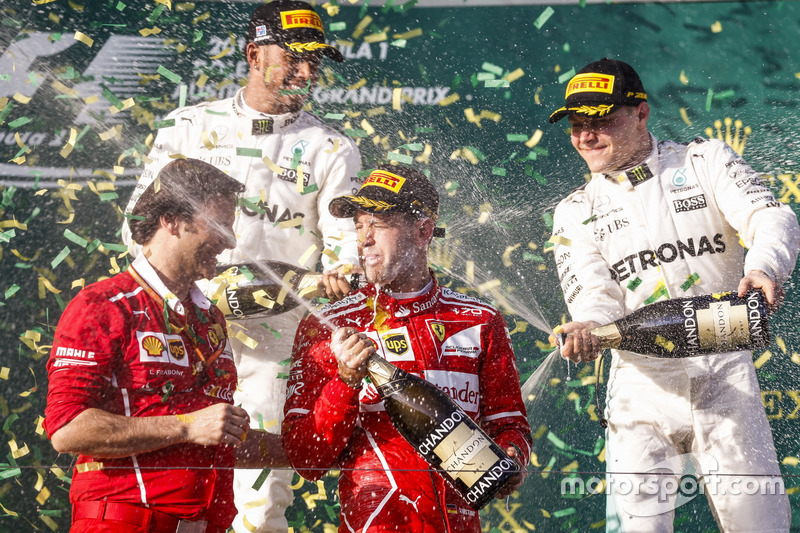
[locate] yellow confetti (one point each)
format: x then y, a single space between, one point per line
780 343
296 221
307 255
361 26
408 35
396 94
514 75
790 461
796 358
507 254
21 98
261 298
44 283
335 147
763 358
67 149
716 27
63 89
545 513
13 223
111 133
4 372
242 337
126 104
665 343
272 166
490 115
447 100
221 54
39 426
147 32
186 419
357 85
94 466
255 503
683 78
486 211
685 116
535 138
85 39
43 496
8 511
558 239
16 452
331 255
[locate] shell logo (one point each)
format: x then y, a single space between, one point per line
153 345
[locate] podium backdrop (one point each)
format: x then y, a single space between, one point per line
462 91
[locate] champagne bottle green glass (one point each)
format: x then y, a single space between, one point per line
685 327
442 433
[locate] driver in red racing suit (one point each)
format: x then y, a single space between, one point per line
454 341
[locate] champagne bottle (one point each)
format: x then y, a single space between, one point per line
685 327
263 288
446 436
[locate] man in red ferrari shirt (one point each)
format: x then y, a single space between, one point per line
141 376
334 419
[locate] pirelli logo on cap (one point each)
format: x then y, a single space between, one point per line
591 83
384 179
300 18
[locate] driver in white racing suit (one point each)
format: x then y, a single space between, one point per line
292 165
657 220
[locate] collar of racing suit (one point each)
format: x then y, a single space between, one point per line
401 308
279 122
651 161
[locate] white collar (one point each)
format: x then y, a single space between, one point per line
151 277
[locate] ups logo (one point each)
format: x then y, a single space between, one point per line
396 343
176 349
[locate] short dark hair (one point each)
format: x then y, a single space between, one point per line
181 189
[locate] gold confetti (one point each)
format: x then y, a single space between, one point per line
535 138
763 358
716 27
85 39
685 116
683 78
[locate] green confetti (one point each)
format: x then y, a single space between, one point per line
355 132
311 188
262 477
60 257
492 84
158 124
286 362
304 90
282 375
11 291
414 147
21 121
634 283
400 158
590 219
691 280
337 26
516 137
11 472
494 69
13 417
167 73
77 239
558 443
564 512
709 98
115 247
498 171
543 17
334 116
567 75
477 153
248 152
272 330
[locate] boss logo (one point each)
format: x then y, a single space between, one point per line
690 204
